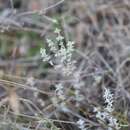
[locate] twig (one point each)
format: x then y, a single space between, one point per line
40 11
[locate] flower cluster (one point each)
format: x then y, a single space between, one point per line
108 97
44 55
62 54
106 114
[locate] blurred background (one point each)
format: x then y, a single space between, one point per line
100 30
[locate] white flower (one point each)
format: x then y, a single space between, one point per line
107 113
102 115
44 55
70 46
59 86
59 38
108 97
51 44
113 122
57 30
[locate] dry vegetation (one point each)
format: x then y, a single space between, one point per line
64 85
